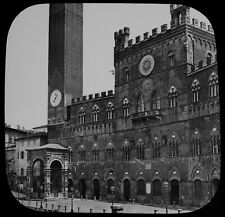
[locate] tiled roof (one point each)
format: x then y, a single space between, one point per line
49 146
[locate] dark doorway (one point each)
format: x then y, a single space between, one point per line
70 185
126 187
174 193
82 188
110 183
156 187
56 177
96 188
214 186
38 176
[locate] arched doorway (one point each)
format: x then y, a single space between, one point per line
174 193
82 188
141 187
96 189
56 177
126 187
198 189
214 186
70 185
38 176
110 183
156 187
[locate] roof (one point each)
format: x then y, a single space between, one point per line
37 134
49 146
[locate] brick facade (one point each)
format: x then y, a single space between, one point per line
190 175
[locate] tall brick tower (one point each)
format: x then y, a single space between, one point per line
65 69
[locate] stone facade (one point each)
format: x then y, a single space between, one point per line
170 130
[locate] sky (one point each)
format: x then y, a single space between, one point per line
26 75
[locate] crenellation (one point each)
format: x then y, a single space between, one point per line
97 95
84 98
195 22
138 39
145 35
203 25
154 32
130 42
103 94
163 28
90 96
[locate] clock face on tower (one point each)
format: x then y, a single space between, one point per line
55 98
146 65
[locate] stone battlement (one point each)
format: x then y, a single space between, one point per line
122 40
92 97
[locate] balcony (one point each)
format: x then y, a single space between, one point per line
146 115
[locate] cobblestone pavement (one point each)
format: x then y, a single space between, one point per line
84 206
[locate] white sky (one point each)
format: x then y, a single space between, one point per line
27 53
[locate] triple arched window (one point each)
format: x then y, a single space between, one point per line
126 150
196 144
195 87
213 85
140 150
155 103
172 97
215 141
81 116
156 148
95 153
140 104
95 113
173 144
125 107
110 111
82 153
109 151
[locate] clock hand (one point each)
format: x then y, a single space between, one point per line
55 97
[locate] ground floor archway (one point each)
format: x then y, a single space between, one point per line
214 186
70 187
96 189
174 193
82 188
56 177
126 189
38 177
110 183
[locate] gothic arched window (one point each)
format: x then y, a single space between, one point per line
95 153
110 111
95 113
125 107
82 153
173 97
173 144
126 150
109 151
196 144
156 148
195 90
155 102
213 85
81 116
140 104
140 150
215 141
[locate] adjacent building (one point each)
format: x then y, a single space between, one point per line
11 134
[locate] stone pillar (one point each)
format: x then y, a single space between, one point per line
65 177
47 172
